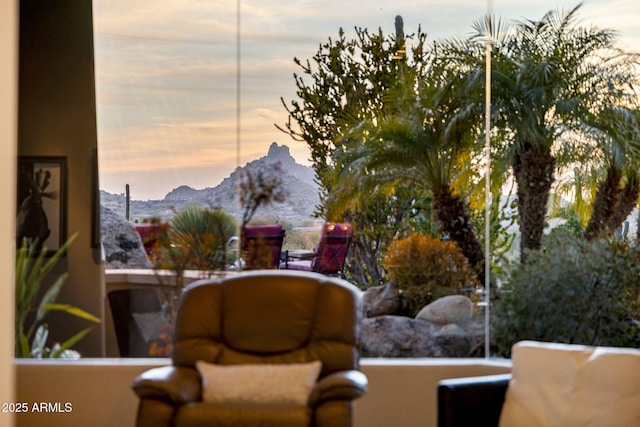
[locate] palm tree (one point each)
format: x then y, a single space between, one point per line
613 202
550 78
426 139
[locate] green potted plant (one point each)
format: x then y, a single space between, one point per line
33 303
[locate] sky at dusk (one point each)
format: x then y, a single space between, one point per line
166 74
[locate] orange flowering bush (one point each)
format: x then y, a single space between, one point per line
163 345
426 268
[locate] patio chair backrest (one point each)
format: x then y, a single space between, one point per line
262 246
332 248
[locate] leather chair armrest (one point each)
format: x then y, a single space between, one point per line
177 385
472 400
343 385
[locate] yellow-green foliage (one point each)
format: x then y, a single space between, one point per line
426 268
35 299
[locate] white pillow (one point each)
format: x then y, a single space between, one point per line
572 385
263 384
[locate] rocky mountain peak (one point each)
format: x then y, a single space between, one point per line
279 153
182 192
297 180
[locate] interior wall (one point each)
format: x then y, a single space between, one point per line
8 102
57 117
402 392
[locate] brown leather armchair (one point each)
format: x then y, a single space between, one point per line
260 317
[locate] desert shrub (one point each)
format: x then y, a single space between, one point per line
301 239
376 223
268 220
426 268
197 240
572 291
294 238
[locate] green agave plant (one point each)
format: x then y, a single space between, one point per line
32 267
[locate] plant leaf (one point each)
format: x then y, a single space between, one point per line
23 346
50 297
75 311
39 341
69 343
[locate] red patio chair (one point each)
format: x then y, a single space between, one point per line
329 255
150 233
262 246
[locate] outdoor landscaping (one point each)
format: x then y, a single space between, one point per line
396 127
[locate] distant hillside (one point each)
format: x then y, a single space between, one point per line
298 182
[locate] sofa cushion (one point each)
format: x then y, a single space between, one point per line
259 384
561 385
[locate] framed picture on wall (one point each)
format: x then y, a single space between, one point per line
42 198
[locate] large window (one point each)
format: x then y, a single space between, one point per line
189 91
167 75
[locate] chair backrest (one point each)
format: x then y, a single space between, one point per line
262 246
149 234
269 316
126 305
332 248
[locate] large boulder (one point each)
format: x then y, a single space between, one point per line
121 244
381 300
475 330
457 309
398 336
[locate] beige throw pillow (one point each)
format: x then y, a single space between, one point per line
262 384
571 385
